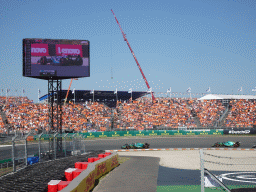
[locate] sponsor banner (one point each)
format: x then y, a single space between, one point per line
192 133
128 133
204 133
237 131
138 133
152 133
100 169
116 133
39 50
62 50
216 132
179 132
103 134
91 135
165 132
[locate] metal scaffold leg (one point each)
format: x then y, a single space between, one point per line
55 114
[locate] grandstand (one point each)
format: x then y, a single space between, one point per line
211 111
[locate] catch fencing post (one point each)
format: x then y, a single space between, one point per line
80 144
73 143
13 153
65 147
39 147
26 148
84 145
202 169
54 143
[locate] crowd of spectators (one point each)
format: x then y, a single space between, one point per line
208 111
140 114
164 112
25 115
242 114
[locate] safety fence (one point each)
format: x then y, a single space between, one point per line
22 151
227 169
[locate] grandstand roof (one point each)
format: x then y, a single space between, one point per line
216 96
108 97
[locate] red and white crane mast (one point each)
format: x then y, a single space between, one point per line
124 35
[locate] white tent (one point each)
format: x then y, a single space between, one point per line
216 96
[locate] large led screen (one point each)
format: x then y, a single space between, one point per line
56 58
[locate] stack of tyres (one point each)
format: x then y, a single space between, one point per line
53 185
96 159
63 184
77 172
78 165
36 177
69 174
84 165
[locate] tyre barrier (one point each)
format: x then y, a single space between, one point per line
37 176
82 178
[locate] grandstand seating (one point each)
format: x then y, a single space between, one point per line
242 114
25 115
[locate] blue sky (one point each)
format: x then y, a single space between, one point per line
178 43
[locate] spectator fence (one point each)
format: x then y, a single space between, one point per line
32 148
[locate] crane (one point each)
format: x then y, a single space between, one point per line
68 90
125 39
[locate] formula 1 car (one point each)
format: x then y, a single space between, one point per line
135 146
71 61
67 60
227 144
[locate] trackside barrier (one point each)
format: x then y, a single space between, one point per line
151 133
140 133
85 181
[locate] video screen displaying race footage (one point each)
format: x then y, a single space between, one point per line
43 58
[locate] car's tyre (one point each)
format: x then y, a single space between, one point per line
236 145
146 145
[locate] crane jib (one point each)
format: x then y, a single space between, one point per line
125 39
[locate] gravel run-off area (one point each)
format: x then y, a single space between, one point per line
219 160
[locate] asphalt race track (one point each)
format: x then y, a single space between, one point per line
116 143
